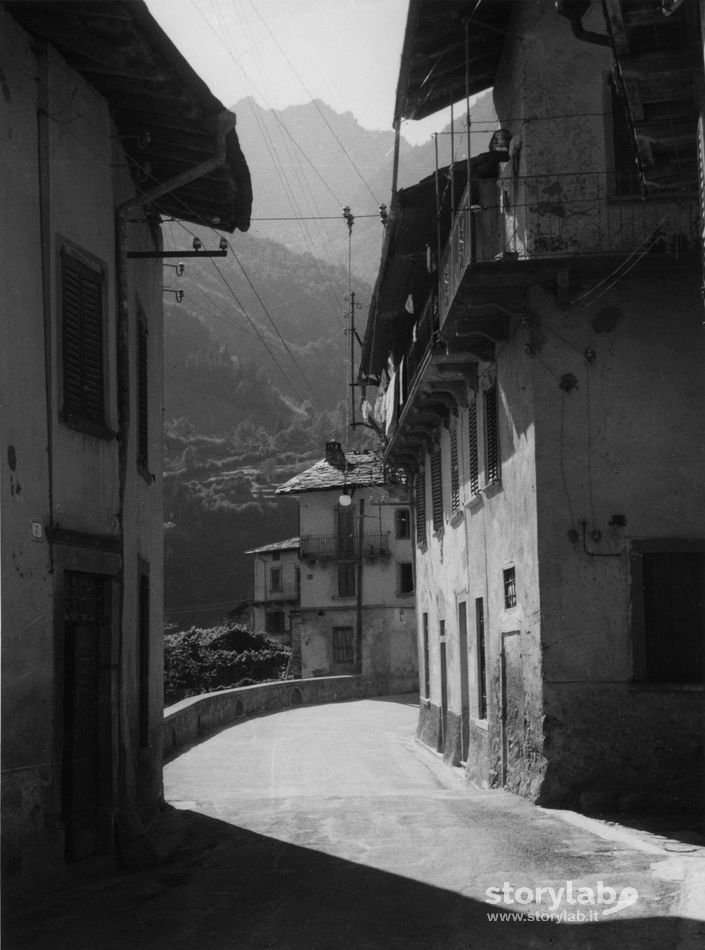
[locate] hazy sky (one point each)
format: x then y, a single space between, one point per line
285 52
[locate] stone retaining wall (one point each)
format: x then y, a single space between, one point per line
192 720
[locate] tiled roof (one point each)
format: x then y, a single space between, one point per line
362 470
291 544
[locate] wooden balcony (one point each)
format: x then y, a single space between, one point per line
320 547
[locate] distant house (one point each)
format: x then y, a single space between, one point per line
546 393
106 129
277 588
356 598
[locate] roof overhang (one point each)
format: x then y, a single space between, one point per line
451 49
166 117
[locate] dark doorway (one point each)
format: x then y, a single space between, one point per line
444 690
674 616
464 685
86 644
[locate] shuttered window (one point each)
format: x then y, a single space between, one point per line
437 491
454 472
420 486
142 394
474 473
492 435
343 645
82 341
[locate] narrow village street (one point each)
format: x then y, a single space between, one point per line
330 827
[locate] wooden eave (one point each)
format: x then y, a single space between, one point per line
166 117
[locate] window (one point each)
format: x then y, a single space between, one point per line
343 645
420 498
673 591
474 472
142 394
82 342
346 579
510 588
454 472
276 555
437 491
492 435
402 521
346 530
144 664
406 578
275 580
481 659
426 670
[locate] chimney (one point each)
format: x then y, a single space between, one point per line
335 455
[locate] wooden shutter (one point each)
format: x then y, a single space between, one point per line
437 491
420 491
454 472
142 394
474 450
82 341
492 435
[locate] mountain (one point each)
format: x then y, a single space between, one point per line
257 367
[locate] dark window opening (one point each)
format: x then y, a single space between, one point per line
275 580
510 588
674 616
426 668
402 521
343 645
406 578
346 530
346 580
275 622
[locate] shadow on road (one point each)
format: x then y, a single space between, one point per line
220 887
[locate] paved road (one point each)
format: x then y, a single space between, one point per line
328 828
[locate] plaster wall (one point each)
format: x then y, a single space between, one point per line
53 475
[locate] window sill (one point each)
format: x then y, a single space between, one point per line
481 724
475 503
494 488
457 519
87 427
405 593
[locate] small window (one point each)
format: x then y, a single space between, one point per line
346 580
343 645
275 580
82 341
406 578
437 491
454 472
510 588
276 555
474 472
275 622
402 520
420 498
142 394
492 436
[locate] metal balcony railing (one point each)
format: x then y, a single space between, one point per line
289 591
345 547
566 215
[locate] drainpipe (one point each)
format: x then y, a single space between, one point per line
225 121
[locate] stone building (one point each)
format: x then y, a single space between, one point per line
356 607
276 590
543 329
105 129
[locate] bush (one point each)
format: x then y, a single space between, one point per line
201 661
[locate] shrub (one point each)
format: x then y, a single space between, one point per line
200 661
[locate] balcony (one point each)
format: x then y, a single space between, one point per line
560 217
288 593
321 547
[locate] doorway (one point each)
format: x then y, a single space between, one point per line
87 626
464 685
